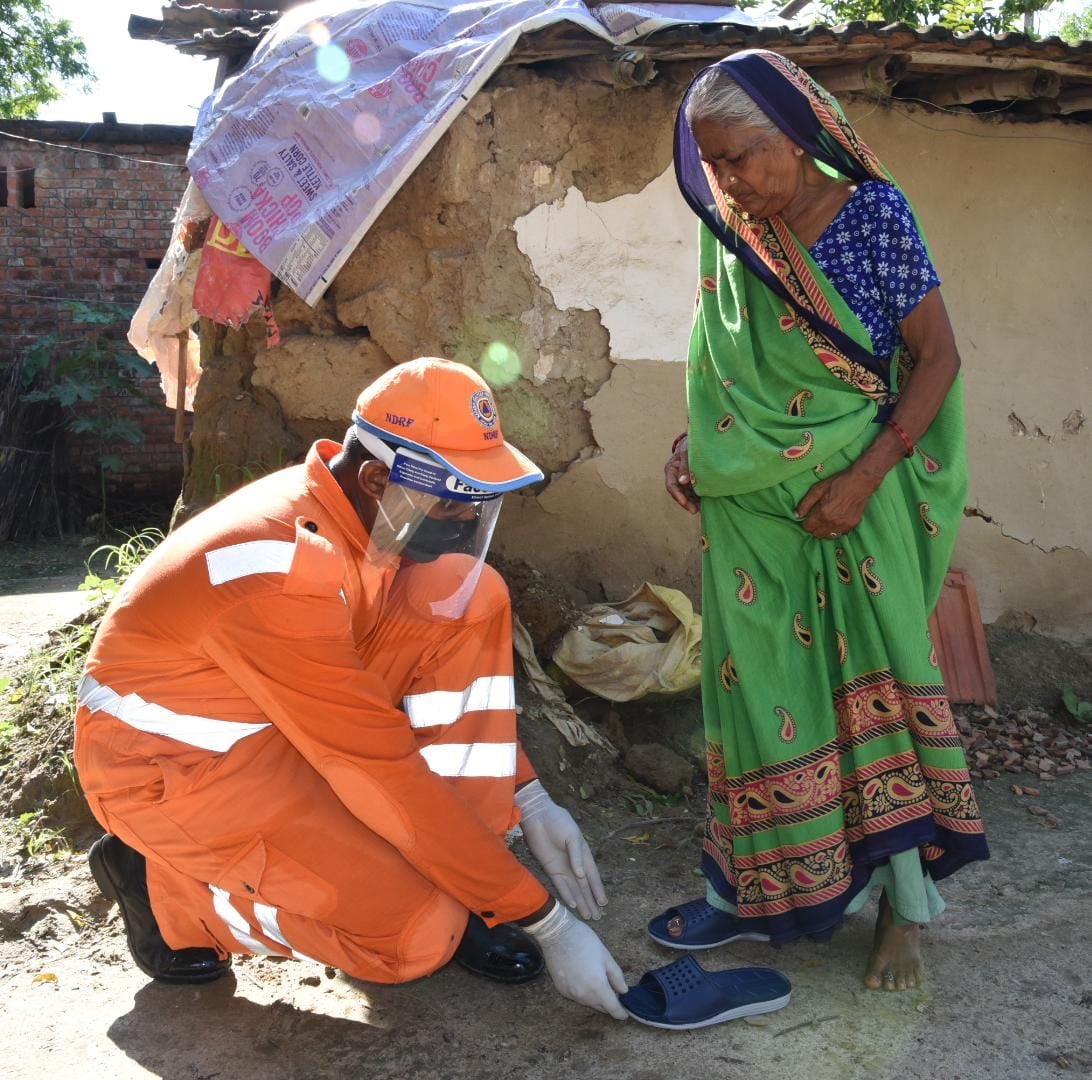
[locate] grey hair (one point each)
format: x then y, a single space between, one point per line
718 97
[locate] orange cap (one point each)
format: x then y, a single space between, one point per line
445 410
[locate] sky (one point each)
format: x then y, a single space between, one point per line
145 82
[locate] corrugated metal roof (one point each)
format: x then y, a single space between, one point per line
894 36
921 56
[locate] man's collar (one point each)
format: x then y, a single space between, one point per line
321 483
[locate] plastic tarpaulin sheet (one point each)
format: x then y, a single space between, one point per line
300 153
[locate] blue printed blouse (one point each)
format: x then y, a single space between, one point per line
873 254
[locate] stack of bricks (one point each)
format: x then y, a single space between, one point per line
91 224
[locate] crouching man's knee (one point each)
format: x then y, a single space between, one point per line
425 945
455 586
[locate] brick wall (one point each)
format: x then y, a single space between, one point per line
97 226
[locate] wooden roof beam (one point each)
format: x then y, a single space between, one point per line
877 75
986 86
925 59
1075 99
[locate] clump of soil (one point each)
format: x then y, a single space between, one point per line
542 603
1032 670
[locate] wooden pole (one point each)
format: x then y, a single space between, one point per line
180 389
876 76
1075 99
986 86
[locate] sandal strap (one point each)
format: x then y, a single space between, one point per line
688 991
696 911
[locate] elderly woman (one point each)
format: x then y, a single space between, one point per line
825 454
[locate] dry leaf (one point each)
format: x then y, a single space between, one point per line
640 838
45 977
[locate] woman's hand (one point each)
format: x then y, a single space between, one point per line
678 480
835 506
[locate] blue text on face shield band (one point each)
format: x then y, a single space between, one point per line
423 476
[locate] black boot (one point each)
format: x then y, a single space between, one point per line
503 952
121 875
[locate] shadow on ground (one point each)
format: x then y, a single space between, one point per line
1010 990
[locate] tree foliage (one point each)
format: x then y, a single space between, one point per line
992 16
36 50
1077 27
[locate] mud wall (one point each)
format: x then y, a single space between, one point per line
544 242
1010 223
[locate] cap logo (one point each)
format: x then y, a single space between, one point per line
399 421
485 412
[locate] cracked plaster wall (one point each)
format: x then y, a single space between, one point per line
1013 287
547 219
1009 219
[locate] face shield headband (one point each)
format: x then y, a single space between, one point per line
430 526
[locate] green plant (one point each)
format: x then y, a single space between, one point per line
122 559
35 50
958 15
1077 27
1077 707
81 376
39 838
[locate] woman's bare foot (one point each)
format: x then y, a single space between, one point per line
895 963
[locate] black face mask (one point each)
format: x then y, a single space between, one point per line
440 536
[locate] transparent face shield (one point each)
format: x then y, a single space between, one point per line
431 527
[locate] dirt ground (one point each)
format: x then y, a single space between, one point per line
1009 992
38 591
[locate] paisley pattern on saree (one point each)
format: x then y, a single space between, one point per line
872 797
791 792
794 876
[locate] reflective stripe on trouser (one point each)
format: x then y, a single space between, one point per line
281 866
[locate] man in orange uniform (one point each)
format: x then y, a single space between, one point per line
297 721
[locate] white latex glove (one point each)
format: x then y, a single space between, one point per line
556 841
578 962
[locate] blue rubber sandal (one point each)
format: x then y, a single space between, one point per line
684 996
698 925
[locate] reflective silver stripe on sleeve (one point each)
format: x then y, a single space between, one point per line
254 557
270 925
132 709
440 707
239 927
471 759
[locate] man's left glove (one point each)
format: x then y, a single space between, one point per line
556 841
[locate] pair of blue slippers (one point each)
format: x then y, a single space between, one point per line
683 995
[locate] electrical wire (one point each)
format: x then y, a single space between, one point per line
893 103
67 299
88 150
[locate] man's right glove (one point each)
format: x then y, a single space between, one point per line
578 962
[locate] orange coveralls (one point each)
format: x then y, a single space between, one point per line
312 764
